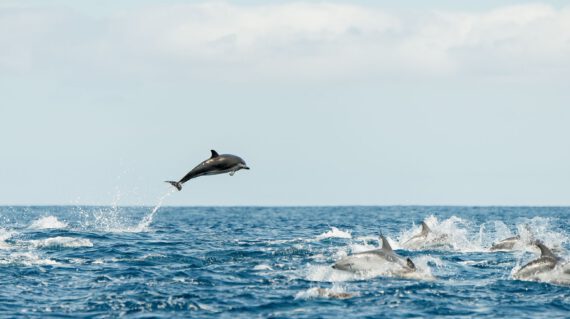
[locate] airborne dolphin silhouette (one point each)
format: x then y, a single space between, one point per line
216 164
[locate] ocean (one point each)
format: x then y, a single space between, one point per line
272 262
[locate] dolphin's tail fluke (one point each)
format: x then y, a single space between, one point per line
175 184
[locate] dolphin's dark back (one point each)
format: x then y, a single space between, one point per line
216 164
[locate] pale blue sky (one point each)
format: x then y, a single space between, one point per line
329 103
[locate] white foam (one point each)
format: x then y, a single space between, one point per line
26 259
4 235
147 220
59 242
529 230
48 222
262 267
336 292
334 233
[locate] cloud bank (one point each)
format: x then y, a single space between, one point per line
296 41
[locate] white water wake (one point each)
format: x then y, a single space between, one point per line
147 220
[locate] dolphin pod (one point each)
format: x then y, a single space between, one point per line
548 267
385 256
216 164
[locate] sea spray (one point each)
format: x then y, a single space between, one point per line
147 220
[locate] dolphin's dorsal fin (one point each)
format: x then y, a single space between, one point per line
545 251
385 245
214 154
425 229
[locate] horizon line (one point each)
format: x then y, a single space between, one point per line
294 206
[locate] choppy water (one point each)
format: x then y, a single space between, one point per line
270 262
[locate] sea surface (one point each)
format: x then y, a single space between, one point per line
259 262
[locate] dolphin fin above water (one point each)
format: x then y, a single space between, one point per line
545 263
388 249
545 251
385 244
425 229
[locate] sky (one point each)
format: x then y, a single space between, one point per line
328 102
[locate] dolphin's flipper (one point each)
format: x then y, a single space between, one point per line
175 184
385 244
214 154
232 173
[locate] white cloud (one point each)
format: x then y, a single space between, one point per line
291 41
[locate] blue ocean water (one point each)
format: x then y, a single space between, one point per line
257 262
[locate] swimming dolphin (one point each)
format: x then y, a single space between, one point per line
506 244
216 164
369 260
422 235
426 237
511 242
332 294
546 262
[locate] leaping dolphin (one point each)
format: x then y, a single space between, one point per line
216 164
368 260
546 262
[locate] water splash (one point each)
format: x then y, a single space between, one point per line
147 220
335 292
48 222
4 235
334 233
451 234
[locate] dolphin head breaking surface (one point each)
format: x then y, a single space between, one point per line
216 164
